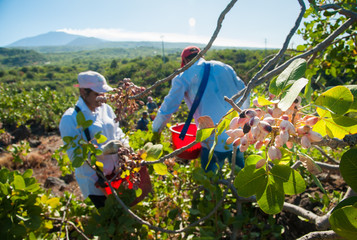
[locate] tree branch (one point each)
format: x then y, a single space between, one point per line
199 55
340 9
320 235
319 47
325 154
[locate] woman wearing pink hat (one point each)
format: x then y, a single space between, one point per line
91 86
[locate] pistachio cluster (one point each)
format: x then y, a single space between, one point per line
272 127
128 167
123 104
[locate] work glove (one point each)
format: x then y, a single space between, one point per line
112 147
156 137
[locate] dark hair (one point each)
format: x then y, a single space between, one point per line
191 56
87 91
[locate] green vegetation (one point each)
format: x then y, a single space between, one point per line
39 91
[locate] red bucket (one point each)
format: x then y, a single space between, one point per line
191 153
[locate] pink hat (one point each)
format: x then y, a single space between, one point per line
94 81
187 52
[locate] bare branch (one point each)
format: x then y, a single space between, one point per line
252 83
325 154
320 235
199 55
340 10
64 215
319 47
70 223
285 45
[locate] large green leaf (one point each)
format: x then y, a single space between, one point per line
160 168
346 202
100 138
293 182
334 125
250 181
81 121
203 134
19 183
77 162
292 93
294 71
252 160
338 100
343 222
348 168
308 92
353 89
154 152
272 199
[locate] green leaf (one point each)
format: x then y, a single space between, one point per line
338 100
293 182
173 213
348 168
252 160
203 134
80 119
100 165
87 124
77 162
343 222
33 187
19 183
346 202
353 89
211 151
67 139
265 102
251 181
336 127
160 168
294 71
223 125
318 183
100 138
272 199
138 192
4 189
292 93
28 173
273 88
153 152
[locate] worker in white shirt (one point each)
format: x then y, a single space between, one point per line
92 85
222 81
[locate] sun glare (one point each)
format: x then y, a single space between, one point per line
192 22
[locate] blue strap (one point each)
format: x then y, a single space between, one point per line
197 100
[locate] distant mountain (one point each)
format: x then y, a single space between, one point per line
80 41
47 39
57 42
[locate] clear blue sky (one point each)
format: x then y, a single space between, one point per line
251 23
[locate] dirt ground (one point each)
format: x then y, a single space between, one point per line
45 167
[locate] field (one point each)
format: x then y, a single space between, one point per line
50 205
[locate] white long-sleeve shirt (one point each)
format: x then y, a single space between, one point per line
222 81
103 120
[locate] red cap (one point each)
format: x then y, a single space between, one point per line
187 52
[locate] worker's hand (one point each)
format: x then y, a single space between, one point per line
101 188
112 147
156 137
